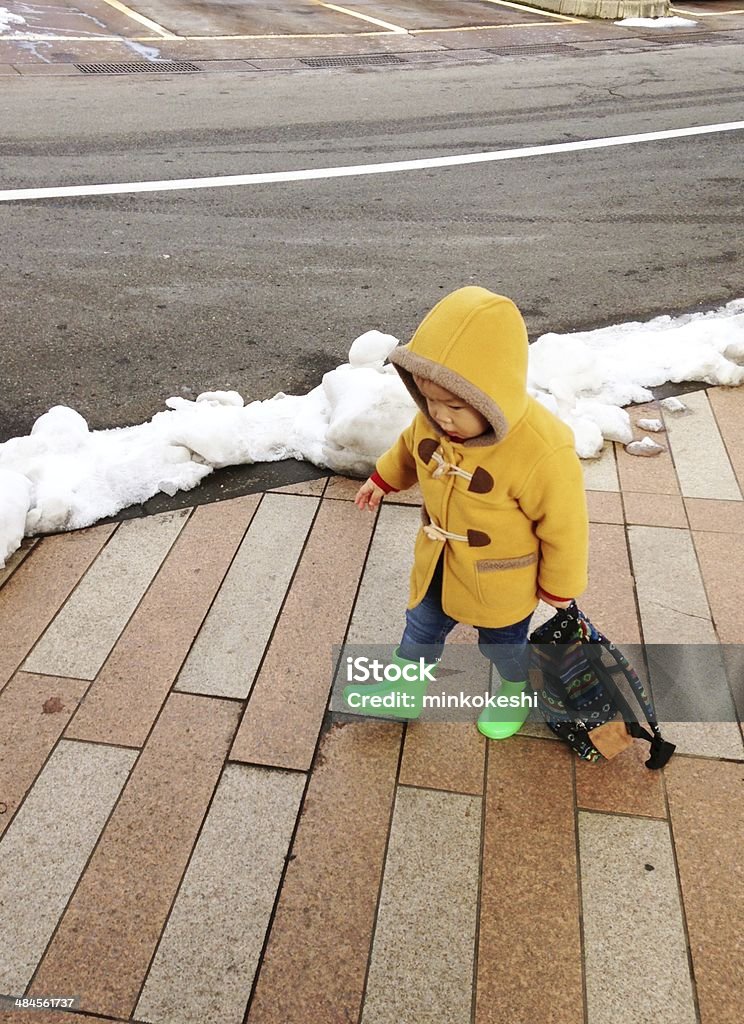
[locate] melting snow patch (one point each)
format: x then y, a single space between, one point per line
656 22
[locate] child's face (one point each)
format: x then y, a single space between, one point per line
450 412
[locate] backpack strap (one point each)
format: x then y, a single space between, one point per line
661 750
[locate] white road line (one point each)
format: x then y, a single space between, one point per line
318 173
363 17
123 9
534 10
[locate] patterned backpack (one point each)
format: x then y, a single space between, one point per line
572 669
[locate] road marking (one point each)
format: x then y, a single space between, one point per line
318 173
123 9
534 10
362 17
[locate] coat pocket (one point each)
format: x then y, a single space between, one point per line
504 583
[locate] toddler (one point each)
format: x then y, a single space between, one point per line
504 509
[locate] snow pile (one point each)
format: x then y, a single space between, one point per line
64 476
7 18
656 22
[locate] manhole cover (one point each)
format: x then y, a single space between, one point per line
343 62
137 66
508 51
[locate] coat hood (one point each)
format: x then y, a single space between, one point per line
474 344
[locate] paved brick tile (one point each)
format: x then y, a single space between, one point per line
715 516
604 507
126 697
128 887
35 592
228 650
609 600
700 456
721 558
34 711
634 939
706 803
601 474
79 640
423 953
621 786
313 488
284 714
207 958
655 510
18 556
646 475
727 405
444 755
316 959
45 850
529 948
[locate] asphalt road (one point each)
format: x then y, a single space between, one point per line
112 304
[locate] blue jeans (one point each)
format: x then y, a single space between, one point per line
427 627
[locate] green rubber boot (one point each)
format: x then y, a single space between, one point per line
501 723
403 698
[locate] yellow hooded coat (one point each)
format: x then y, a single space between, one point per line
507 508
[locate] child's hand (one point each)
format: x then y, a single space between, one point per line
369 496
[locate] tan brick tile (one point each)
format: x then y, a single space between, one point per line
609 600
126 697
313 488
529 948
316 958
621 786
715 516
18 556
444 755
35 592
721 559
706 802
34 711
107 936
728 408
653 475
654 510
604 507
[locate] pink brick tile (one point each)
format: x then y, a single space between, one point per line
715 516
34 711
444 755
107 936
604 507
125 699
609 600
654 510
38 588
313 488
706 805
728 409
621 786
316 958
282 720
529 948
650 475
721 559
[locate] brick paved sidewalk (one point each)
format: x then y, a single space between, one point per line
187 832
